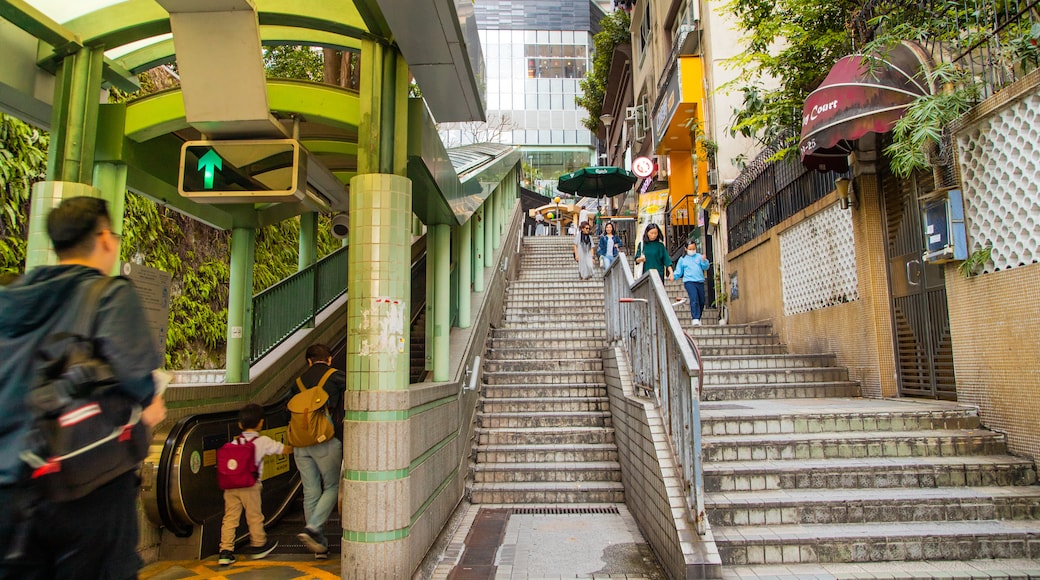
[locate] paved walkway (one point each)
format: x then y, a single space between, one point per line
553 546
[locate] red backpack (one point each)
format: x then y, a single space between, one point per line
236 464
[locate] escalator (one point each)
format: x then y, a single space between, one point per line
185 498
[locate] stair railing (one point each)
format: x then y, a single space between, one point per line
293 303
641 319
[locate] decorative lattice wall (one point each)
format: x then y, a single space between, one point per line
1000 173
818 262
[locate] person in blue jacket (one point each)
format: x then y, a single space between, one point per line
690 269
609 245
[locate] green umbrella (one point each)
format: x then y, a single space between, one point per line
597 182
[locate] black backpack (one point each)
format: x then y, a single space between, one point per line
85 433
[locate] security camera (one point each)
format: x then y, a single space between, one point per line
340 226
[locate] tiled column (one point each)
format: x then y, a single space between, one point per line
377 452
465 272
479 261
489 228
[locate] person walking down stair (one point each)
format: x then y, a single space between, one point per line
653 252
690 269
320 464
609 245
583 251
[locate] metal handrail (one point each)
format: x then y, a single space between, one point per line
293 303
665 363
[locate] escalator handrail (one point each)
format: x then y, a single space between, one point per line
178 433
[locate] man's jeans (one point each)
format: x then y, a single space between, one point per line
320 470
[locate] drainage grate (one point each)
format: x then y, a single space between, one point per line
564 510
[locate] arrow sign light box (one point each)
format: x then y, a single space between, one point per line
248 171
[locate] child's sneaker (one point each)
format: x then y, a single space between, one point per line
322 555
260 552
226 558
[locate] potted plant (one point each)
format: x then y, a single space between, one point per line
721 299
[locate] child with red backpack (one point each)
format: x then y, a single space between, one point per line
239 471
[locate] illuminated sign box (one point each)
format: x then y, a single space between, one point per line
247 171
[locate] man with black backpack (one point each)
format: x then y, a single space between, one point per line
96 535
317 397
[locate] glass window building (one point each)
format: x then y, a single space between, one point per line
536 53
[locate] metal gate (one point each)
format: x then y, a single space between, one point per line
924 348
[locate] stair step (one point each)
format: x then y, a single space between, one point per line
719 418
546 343
865 542
544 390
775 376
533 453
741 350
542 377
819 389
553 492
826 506
547 472
544 365
734 339
555 419
853 444
534 353
539 437
867 473
782 361
550 333
530 405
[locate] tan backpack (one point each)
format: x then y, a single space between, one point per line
309 420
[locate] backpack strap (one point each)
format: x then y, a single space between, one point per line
321 383
88 306
325 377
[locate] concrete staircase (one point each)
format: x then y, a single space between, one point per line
804 478
544 431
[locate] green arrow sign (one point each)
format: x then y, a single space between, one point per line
208 164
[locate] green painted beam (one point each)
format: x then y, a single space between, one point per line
120 77
134 20
155 115
317 102
345 176
330 147
25 16
373 17
163 112
162 51
146 185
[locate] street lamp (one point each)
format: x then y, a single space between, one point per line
559 221
606 119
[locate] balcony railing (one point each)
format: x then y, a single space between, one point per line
994 41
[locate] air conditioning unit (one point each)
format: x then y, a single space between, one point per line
713 178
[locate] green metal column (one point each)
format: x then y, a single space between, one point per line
110 179
240 305
465 272
496 230
480 260
70 158
308 240
377 500
439 268
489 230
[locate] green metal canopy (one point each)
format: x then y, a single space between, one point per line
597 181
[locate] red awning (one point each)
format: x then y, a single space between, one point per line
859 96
